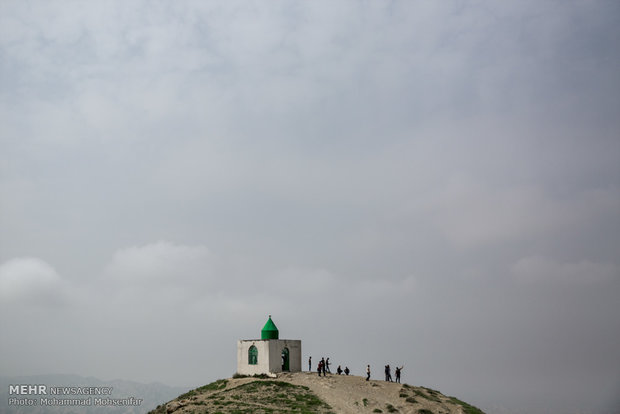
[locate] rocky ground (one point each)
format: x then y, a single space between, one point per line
304 392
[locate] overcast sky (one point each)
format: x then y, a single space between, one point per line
427 183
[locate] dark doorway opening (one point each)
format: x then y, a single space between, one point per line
285 360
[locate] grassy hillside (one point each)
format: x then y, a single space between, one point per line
252 397
307 393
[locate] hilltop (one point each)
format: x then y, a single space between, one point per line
304 392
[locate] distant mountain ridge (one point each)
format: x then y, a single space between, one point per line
109 397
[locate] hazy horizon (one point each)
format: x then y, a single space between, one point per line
434 184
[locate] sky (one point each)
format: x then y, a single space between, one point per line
434 184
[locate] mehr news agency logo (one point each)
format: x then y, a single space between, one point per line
46 396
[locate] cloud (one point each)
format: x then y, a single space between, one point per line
161 265
307 286
337 165
298 281
537 269
30 280
194 280
471 212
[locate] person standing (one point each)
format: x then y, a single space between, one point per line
319 367
367 372
327 366
397 372
310 364
388 373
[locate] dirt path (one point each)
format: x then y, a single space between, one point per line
353 394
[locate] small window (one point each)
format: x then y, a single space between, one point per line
252 355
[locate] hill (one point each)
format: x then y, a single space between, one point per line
304 392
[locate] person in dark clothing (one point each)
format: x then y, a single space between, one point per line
346 370
319 367
388 373
397 372
323 366
339 370
327 366
367 372
310 364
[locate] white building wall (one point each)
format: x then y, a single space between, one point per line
294 354
262 366
269 356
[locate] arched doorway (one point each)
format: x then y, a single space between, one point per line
285 360
252 355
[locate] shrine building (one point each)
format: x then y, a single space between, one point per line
269 354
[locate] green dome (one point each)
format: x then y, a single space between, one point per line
270 331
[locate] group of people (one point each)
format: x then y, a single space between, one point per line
323 367
388 373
